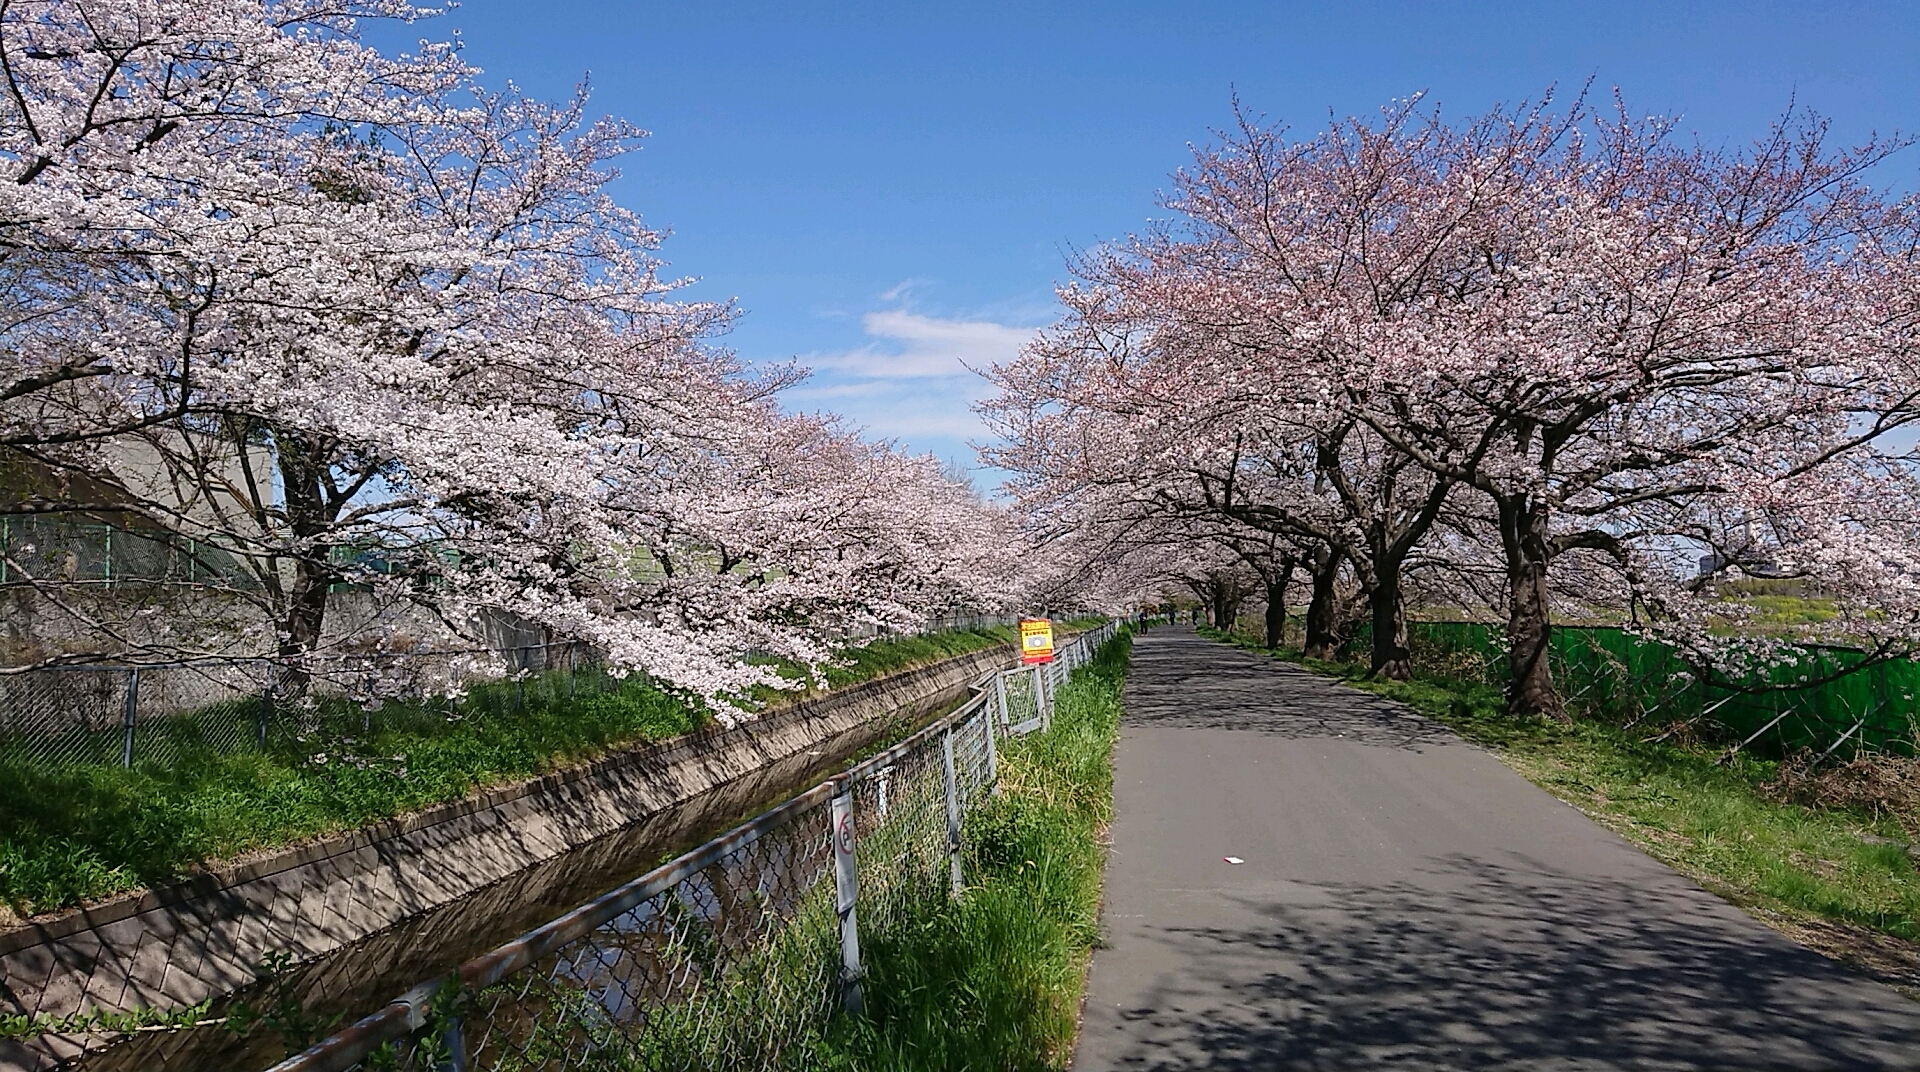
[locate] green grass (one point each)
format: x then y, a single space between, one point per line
993 980
1717 823
892 655
75 833
988 980
1784 610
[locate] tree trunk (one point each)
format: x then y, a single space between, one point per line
1392 658
309 517
1321 639
1277 606
305 619
1530 690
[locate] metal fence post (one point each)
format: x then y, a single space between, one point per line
1000 695
126 722
993 750
953 811
454 1035
1041 702
520 681
846 888
266 714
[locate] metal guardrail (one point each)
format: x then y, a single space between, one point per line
730 955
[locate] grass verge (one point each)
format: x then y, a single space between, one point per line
1838 879
993 980
77 833
892 655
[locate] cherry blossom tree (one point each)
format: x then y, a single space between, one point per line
132 135
1156 366
805 522
1566 313
1560 332
323 310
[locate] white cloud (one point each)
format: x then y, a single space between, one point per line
925 414
916 379
911 345
902 291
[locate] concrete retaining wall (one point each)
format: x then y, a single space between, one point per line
202 937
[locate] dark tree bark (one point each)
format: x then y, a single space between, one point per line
312 506
1277 582
1529 551
1392 520
1392 657
1227 597
1322 631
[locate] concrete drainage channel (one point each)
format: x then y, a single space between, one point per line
735 952
364 915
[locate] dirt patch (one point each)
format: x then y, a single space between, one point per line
1882 786
1892 961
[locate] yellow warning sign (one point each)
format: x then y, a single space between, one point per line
1036 640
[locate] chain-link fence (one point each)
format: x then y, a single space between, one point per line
951 623
164 713
113 715
958 623
62 550
734 955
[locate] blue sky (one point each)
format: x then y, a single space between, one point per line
890 191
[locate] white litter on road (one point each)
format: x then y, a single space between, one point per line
1233 859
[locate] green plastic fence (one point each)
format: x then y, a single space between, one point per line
1608 671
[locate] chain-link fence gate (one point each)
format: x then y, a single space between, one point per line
728 956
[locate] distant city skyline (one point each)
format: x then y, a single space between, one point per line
891 192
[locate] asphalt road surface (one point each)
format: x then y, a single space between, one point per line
1407 901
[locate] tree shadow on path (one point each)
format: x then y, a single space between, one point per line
1186 681
1478 965
1473 924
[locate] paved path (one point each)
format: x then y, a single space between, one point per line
1409 902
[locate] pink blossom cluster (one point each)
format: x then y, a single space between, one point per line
1538 361
283 296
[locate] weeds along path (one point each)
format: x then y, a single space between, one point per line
1406 900
992 980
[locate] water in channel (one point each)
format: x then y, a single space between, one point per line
357 979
